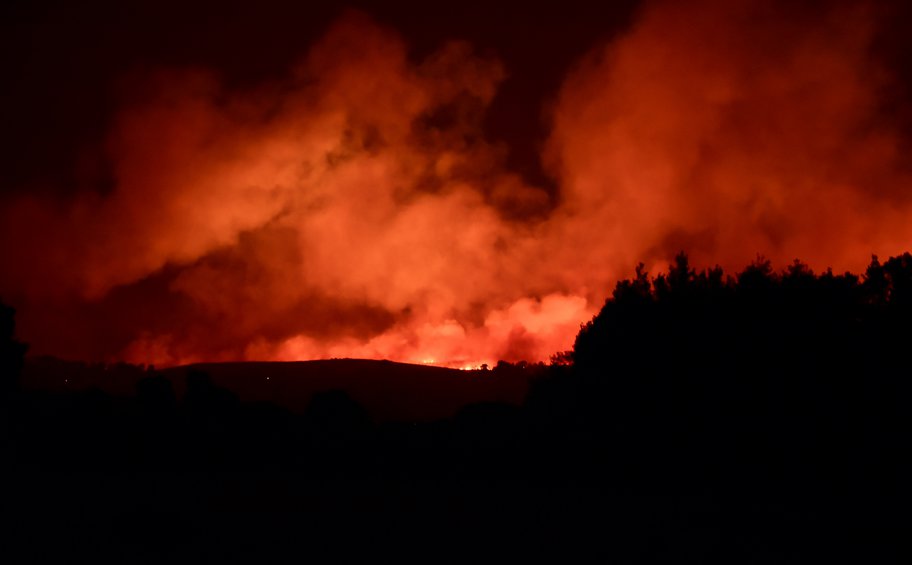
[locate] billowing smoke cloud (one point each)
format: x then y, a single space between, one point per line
733 128
355 209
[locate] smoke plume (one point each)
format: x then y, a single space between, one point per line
356 209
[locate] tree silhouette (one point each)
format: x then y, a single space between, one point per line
790 368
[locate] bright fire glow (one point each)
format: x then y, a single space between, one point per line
355 210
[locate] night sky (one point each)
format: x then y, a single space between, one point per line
451 184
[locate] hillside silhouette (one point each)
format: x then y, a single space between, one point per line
701 417
388 390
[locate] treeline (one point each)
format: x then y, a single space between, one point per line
762 373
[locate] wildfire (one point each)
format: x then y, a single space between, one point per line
355 209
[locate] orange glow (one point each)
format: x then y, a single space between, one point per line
728 129
331 214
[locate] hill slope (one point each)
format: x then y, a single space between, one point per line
388 390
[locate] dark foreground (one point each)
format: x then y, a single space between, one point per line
699 419
280 517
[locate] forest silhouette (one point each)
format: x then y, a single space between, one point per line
700 417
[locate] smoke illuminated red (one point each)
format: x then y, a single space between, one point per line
354 208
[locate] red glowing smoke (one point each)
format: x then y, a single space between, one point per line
355 209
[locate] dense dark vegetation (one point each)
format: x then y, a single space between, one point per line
761 418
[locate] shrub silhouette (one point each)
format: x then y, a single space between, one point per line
12 352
